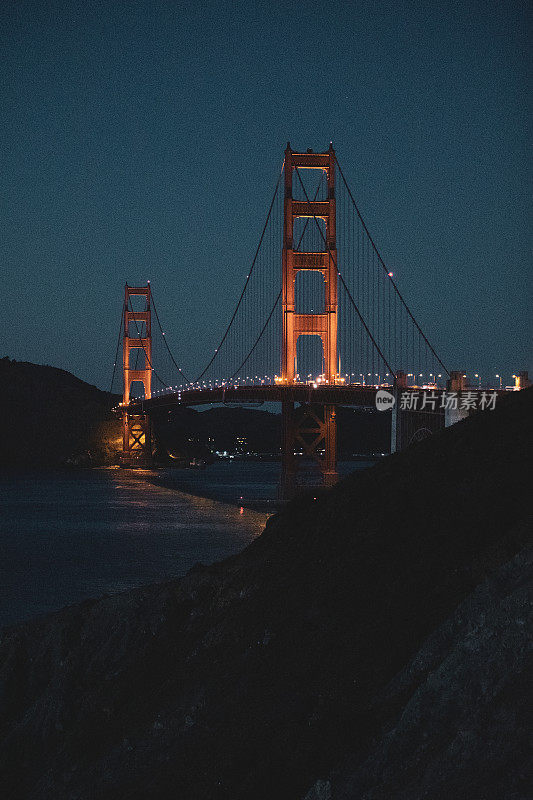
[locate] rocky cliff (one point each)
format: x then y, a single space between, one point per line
457 717
358 648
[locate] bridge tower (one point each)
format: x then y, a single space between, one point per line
137 336
311 427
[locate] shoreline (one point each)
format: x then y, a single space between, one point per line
258 506
120 529
164 477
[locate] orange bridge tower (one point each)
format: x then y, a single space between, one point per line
310 427
137 341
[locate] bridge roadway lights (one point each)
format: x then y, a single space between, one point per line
410 425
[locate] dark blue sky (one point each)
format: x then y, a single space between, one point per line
141 140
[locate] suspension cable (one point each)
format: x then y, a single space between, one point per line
165 340
259 337
278 297
247 279
344 282
159 378
386 269
118 346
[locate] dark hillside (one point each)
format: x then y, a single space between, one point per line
456 717
359 430
255 677
50 416
53 418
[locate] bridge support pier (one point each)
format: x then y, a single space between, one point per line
410 424
522 381
311 429
136 440
397 420
456 383
137 339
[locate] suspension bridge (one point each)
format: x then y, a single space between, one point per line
320 322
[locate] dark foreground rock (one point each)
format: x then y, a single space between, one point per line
458 716
307 656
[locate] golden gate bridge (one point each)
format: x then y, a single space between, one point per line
320 322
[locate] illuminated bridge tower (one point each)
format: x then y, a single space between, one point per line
310 427
137 341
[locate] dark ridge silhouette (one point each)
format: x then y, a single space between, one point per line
280 672
360 430
54 419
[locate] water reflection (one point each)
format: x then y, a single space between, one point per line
72 535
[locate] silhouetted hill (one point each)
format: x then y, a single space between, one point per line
192 432
359 430
51 416
334 647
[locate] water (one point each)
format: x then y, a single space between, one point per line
67 536
250 483
73 535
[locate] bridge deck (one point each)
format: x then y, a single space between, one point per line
346 394
295 393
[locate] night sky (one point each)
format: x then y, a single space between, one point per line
142 140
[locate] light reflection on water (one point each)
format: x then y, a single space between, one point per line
67 536
247 482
